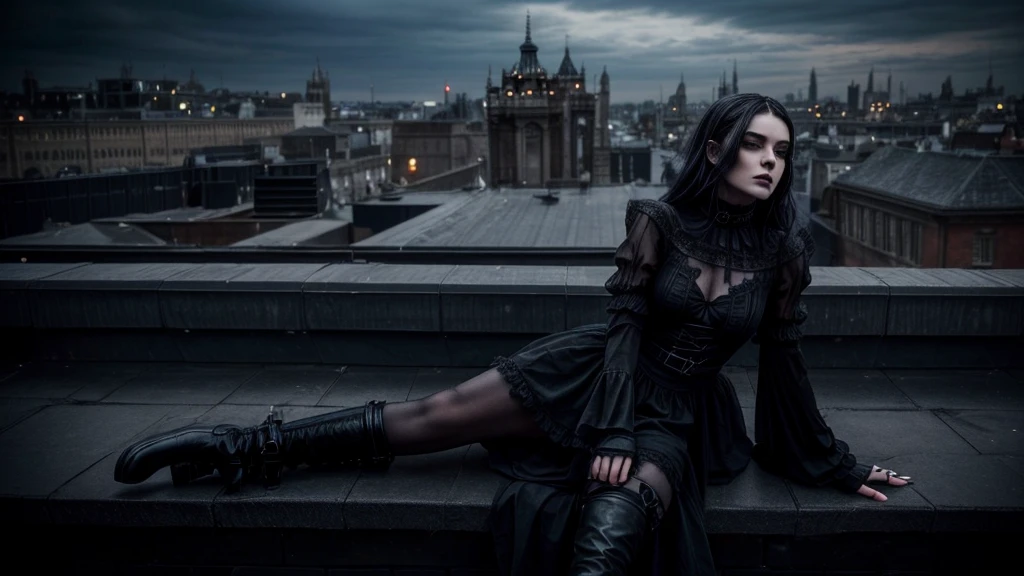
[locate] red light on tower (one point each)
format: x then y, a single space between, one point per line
447 88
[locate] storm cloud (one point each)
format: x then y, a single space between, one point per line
408 49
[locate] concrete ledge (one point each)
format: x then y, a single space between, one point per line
318 311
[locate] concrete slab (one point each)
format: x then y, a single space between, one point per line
14 410
410 495
45 451
358 385
184 384
468 504
959 389
848 388
888 434
755 501
302 385
830 511
989 431
969 492
94 498
83 381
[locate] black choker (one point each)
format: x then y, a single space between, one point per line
727 214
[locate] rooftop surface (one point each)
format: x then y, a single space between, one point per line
515 218
942 180
62 426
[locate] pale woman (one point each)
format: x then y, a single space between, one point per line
608 434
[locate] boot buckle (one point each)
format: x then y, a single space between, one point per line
270 454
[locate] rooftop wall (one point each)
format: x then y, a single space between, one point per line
457 315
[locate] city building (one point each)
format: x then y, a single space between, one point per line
906 208
45 147
422 150
542 127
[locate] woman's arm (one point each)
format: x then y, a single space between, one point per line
607 420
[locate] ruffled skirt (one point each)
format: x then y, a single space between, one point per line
691 428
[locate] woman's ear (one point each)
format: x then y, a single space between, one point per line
712 150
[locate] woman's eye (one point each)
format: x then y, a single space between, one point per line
752 145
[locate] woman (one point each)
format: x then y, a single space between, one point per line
609 434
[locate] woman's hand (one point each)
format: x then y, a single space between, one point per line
882 476
611 469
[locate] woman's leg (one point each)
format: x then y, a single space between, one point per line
476 410
616 519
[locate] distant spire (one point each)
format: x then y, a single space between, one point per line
528 25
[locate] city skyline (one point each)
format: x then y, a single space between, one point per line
408 50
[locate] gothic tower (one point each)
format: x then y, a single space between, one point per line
318 89
542 127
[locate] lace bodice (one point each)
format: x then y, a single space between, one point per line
706 284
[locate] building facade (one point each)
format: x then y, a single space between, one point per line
545 127
424 149
44 147
906 208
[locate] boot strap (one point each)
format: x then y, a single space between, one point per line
652 504
270 454
373 427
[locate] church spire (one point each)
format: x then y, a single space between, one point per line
567 68
528 63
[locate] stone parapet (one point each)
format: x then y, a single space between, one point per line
462 315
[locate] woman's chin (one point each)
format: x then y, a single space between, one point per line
757 192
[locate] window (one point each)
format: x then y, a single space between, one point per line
878 240
889 234
984 248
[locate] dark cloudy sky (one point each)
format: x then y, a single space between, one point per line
408 48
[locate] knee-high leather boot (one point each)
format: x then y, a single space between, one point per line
354 436
614 523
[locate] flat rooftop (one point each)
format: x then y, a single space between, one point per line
516 218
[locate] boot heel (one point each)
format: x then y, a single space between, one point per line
186 472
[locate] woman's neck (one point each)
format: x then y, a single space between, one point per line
730 195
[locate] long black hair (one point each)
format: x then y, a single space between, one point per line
695 189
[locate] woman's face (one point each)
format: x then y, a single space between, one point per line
760 162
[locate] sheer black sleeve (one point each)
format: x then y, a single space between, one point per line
607 420
791 438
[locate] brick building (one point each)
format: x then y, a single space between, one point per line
928 209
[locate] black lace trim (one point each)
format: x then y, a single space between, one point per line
635 303
797 243
665 464
519 388
766 253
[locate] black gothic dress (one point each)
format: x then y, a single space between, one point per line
661 353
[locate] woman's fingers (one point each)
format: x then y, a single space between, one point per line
611 469
613 474
624 474
606 464
871 493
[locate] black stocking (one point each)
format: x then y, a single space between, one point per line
478 409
